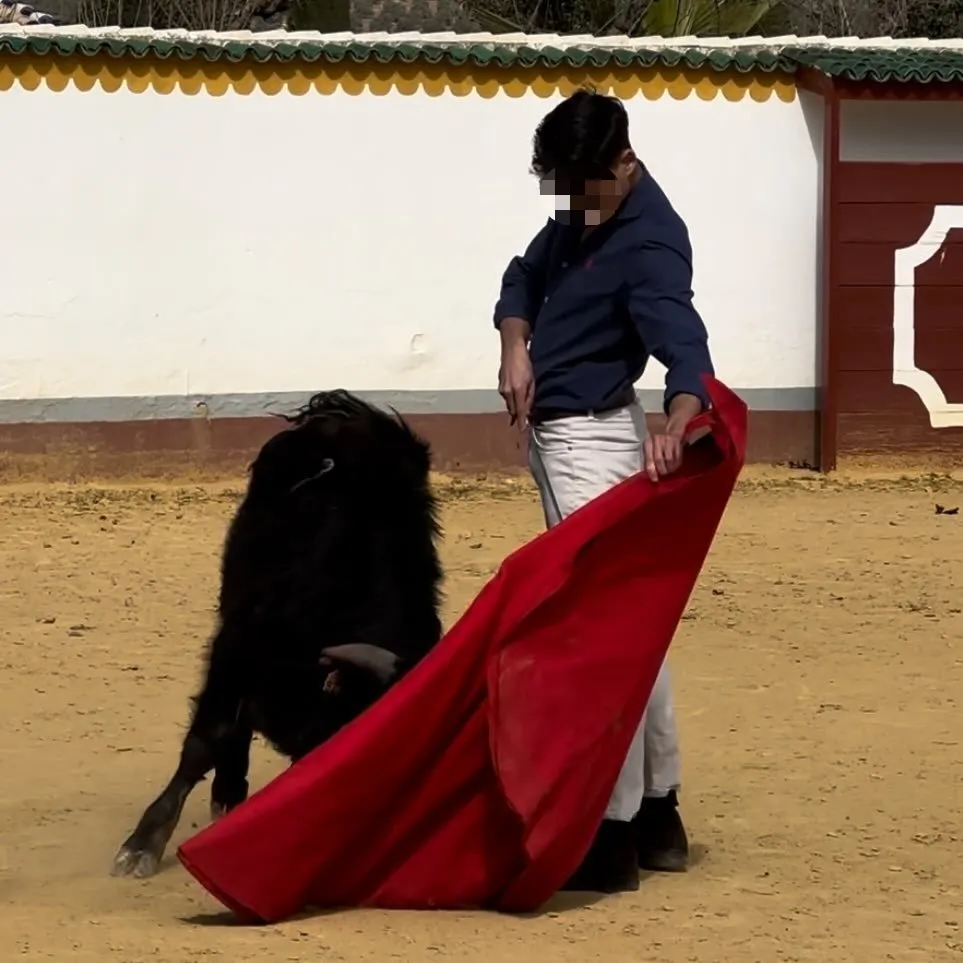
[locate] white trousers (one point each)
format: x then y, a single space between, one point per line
573 460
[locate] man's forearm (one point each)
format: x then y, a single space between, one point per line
682 409
514 332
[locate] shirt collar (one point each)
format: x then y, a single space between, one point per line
634 203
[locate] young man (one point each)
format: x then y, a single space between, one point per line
599 290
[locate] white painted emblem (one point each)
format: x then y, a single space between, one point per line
942 413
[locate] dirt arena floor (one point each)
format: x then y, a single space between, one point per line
819 673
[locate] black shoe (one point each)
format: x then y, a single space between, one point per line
611 865
660 836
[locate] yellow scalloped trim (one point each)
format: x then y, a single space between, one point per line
192 77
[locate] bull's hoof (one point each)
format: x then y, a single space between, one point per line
137 861
226 796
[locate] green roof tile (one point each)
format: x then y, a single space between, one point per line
880 59
903 63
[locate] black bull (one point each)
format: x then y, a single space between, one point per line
330 588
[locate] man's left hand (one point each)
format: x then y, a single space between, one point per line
662 452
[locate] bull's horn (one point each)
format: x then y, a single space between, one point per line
379 662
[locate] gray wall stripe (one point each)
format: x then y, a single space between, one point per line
455 402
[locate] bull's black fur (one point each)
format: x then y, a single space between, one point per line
334 545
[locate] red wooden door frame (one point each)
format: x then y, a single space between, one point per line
833 92
825 87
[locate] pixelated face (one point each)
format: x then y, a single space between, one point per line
589 198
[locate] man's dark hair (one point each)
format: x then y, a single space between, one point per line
581 138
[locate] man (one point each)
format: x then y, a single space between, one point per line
599 290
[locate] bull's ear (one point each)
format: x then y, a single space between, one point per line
326 466
381 663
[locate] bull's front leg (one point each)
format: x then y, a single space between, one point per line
141 853
213 736
230 787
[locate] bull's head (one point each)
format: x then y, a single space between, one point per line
339 441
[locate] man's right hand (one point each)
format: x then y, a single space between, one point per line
516 382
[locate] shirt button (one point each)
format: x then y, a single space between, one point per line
545 301
564 263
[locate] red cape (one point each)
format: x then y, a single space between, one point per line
481 777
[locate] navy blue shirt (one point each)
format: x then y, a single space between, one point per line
599 308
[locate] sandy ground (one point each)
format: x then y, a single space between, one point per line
818 673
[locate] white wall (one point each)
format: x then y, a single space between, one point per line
177 244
